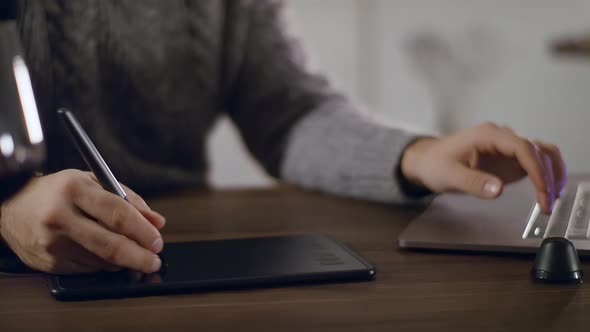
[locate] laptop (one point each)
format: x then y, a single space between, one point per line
512 223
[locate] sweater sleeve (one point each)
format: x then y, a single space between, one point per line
299 128
271 88
340 150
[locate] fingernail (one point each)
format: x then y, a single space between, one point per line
548 202
157 264
491 188
158 245
544 202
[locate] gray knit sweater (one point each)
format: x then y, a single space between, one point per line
148 79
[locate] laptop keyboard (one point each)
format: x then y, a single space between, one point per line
570 217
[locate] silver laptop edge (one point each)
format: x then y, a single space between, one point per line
512 223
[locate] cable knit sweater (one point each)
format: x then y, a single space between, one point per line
148 79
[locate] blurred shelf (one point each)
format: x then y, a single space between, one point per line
578 47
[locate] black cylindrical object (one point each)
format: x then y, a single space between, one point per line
557 260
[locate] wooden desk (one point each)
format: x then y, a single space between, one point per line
413 290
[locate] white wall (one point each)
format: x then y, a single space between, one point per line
454 63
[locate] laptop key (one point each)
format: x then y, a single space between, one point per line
536 225
580 214
557 222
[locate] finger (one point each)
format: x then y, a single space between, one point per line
94 266
547 199
79 255
118 216
474 182
158 220
113 248
83 257
66 266
152 216
525 153
549 170
558 166
136 200
509 130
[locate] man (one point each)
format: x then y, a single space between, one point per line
147 79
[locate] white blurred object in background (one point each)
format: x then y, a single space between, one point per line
517 81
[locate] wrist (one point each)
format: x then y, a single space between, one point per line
9 261
411 160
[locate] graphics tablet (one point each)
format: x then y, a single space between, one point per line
224 264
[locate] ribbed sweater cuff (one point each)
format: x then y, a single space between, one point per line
339 150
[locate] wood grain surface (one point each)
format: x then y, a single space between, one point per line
413 291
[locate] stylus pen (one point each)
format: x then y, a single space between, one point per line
90 154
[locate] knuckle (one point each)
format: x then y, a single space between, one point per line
487 129
54 218
526 145
474 182
133 197
112 250
120 216
71 174
51 265
71 186
42 243
509 129
488 126
72 180
543 187
45 263
554 149
52 221
89 174
66 172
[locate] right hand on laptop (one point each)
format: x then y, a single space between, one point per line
67 223
481 159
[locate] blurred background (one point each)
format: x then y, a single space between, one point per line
440 65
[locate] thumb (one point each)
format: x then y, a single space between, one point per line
474 182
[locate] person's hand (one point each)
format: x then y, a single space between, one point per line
67 223
480 160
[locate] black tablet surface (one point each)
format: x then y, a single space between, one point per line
224 264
